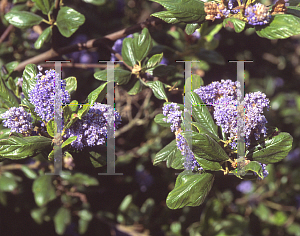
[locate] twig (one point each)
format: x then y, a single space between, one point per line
75 65
6 32
102 42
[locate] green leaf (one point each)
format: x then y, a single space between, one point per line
45 6
190 28
279 218
23 19
234 23
159 119
51 127
83 110
29 173
207 148
142 45
172 155
136 88
97 159
29 79
281 27
190 190
19 148
7 184
158 89
294 229
202 130
185 10
43 190
211 57
85 217
208 165
11 66
68 21
96 2
262 212
154 60
7 96
197 81
68 141
81 179
293 11
71 84
127 52
201 114
38 214
161 70
166 16
273 150
122 76
61 220
99 93
255 167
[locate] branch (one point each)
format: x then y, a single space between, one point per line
6 32
102 42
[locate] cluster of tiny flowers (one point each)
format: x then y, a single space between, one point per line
171 111
215 11
18 120
257 14
230 6
91 130
224 98
42 96
245 186
265 172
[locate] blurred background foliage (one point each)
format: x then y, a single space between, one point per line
134 203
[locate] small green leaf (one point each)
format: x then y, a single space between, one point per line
7 184
294 229
208 165
121 76
96 2
7 97
161 70
81 179
154 60
29 173
136 88
190 190
97 159
51 127
128 52
97 94
45 6
68 141
158 89
262 212
62 219
29 79
37 214
23 19
142 45
202 130
255 167
19 148
159 119
273 150
201 114
282 26
43 190
190 28
68 21
237 24
85 217
166 16
71 84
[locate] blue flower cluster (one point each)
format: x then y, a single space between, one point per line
43 94
18 120
223 96
257 14
265 172
173 116
91 130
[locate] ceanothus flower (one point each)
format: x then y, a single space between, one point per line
18 120
42 96
91 130
245 186
171 111
257 14
265 172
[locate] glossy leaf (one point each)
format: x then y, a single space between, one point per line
190 190
142 45
273 150
159 119
207 148
166 16
51 127
23 19
191 28
154 60
68 141
19 148
136 88
7 97
202 130
158 89
121 76
282 26
208 165
71 84
45 6
43 190
29 78
234 23
201 114
172 155
61 219
98 93
68 21
128 52
161 70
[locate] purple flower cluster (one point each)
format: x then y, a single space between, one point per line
224 12
91 130
18 120
223 95
171 111
265 172
245 186
257 14
43 94
118 47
